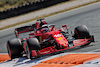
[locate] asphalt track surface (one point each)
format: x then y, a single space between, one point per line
88 15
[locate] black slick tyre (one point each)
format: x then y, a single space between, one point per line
14 48
32 46
81 32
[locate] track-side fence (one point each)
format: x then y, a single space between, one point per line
25 8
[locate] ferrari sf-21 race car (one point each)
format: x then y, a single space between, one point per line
42 39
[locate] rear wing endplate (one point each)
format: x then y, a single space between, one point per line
23 30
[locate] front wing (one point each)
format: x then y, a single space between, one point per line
75 43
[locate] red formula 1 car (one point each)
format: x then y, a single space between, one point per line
46 39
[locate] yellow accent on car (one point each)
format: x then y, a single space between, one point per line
60 38
40 39
63 42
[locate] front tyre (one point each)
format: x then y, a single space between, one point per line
81 32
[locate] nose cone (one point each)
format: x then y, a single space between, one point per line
65 45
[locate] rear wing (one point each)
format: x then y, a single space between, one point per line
23 30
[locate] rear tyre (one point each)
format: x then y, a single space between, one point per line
32 46
14 48
81 32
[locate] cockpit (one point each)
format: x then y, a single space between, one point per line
46 28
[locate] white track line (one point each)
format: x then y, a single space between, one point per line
94 50
4 53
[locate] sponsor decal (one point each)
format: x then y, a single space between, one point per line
60 38
57 35
45 52
63 42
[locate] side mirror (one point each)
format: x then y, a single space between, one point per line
64 25
31 34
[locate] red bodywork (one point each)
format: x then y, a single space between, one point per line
52 49
57 37
62 41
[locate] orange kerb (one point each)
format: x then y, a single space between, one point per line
68 60
4 57
53 65
62 61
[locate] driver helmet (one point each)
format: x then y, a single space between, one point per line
45 28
